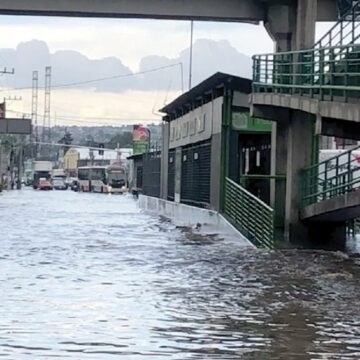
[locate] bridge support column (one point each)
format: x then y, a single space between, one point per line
279 139
299 151
292 27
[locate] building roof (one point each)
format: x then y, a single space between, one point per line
216 81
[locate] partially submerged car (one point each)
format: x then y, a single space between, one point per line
59 184
44 184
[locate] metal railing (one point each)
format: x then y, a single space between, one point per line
323 73
331 178
250 215
345 31
245 179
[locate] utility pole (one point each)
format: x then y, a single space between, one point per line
19 149
34 107
191 51
12 159
20 164
46 121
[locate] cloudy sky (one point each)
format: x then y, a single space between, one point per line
81 50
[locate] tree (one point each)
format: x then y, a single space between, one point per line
121 139
67 139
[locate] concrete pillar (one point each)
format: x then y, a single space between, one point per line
299 151
306 16
292 27
280 25
279 143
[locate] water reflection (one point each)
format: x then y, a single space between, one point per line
88 276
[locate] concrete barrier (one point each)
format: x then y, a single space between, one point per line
202 220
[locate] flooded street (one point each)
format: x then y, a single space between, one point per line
89 276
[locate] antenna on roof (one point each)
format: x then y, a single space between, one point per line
191 50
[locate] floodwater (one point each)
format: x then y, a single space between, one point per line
89 276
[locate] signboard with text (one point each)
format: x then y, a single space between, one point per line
141 139
15 126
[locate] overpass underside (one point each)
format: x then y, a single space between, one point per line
337 209
206 10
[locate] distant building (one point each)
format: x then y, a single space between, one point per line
71 161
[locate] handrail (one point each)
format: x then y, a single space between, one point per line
253 217
334 157
354 13
306 51
331 178
321 73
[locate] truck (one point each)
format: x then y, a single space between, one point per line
42 169
58 173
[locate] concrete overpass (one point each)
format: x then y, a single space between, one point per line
337 209
224 10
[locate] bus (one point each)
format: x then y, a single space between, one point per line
116 178
102 179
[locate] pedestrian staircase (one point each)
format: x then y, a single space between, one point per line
251 216
345 31
331 178
328 71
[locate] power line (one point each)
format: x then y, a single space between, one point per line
87 119
85 82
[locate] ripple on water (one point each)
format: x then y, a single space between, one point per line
88 276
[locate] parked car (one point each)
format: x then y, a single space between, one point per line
59 184
75 185
44 184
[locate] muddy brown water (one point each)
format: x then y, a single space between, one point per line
89 276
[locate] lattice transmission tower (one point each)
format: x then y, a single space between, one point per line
46 135
34 105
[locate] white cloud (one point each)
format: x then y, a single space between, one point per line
87 107
129 40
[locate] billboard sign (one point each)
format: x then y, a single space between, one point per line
141 139
15 126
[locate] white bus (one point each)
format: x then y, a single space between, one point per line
116 177
92 178
102 179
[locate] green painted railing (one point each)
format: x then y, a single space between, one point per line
250 215
245 179
331 178
345 31
330 69
324 73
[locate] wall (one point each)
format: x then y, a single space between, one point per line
197 125
201 124
71 160
207 221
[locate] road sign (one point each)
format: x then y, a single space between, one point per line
15 126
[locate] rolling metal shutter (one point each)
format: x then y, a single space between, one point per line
171 175
195 175
151 174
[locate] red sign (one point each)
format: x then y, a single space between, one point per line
140 133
